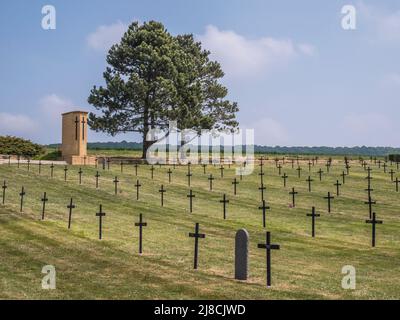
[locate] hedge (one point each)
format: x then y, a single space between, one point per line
20 147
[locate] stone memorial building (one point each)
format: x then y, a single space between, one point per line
74 139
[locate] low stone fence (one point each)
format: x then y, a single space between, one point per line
6 159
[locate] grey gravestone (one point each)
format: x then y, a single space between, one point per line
241 254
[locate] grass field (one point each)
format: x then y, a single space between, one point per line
89 268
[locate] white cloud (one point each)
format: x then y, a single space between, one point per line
307 49
106 35
16 124
241 56
269 132
383 24
52 106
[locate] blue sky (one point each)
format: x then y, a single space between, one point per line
298 76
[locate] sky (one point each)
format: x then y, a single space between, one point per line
299 77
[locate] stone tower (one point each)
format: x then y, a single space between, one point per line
74 138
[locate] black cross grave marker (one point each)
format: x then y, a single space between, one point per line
364 165
162 191
347 169
384 167
313 215
235 183
369 178
136 167
264 207
137 186
374 222
211 178
18 159
40 167
343 175
204 168
327 165
369 189
80 175
4 187
320 172
370 202
51 170
329 198
44 200
196 235
279 169
28 162
169 172
191 196
100 214
65 173
152 171
221 168
22 194
293 194
262 188
309 180
261 161
397 181
141 224
224 202
97 179
116 181
189 175
284 177
299 171
391 174
337 184
261 174
70 207
268 247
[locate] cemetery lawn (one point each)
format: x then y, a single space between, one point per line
111 268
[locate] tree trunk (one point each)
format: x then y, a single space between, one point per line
146 146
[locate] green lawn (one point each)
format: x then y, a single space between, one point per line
304 268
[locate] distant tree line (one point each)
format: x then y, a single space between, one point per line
16 146
394 157
358 151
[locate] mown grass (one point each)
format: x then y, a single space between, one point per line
304 268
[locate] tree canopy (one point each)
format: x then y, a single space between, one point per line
154 77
